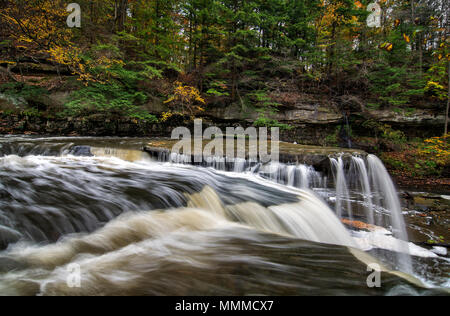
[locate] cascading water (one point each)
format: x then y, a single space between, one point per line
371 180
387 196
364 182
136 226
342 194
299 176
367 177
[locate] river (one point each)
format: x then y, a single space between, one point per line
134 225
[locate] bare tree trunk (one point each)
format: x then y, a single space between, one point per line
121 7
448 102
7 72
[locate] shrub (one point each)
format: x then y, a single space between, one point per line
187 98
436 150
112 99
22 90
263 121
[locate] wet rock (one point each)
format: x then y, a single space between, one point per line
432 203
81 151
420 117
409 200
8 236
157 152
428 213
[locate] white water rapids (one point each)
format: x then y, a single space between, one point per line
141 227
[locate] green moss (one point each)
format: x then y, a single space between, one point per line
333 139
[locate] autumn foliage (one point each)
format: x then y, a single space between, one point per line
232 50
186 97
437 149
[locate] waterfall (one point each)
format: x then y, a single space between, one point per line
124 154
342 193
361 184
387 196
364 182
308 219
299 175
23 149
356 180
353 176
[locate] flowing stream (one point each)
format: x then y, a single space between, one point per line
138 226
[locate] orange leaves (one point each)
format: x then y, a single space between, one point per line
407 38
360 225
359 5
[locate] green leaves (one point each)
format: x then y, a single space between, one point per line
263 121
111 99
22 90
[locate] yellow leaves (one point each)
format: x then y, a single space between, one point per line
437 149
387 46
407 38
60 55
331 16
37 27
188 93
166 116
70 56
188 97
171 99
435 85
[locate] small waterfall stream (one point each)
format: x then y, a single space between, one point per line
387 196
366 189
342 193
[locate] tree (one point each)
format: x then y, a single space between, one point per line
448 103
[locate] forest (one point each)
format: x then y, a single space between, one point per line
156 61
